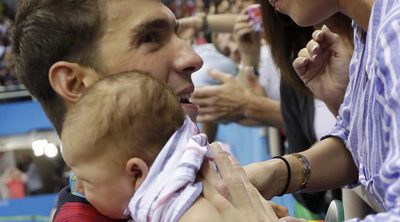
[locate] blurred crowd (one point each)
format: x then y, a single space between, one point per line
8 79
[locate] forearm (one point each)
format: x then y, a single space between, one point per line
264 110
221 22
210 129
331 166
215 22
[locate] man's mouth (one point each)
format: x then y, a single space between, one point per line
185 99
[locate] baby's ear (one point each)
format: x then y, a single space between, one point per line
136 169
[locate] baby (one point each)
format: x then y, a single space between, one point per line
135 152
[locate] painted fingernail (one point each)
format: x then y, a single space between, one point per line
305 61
314 49
319 34
314 57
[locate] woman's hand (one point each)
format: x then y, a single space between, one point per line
236 199
324 66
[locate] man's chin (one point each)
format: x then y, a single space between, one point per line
191 110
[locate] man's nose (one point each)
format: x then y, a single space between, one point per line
189 61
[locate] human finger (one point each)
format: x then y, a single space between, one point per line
205 110
206 91
300 65
313 49
304 53
209 173
280 210
255 197
240 34
210 101
215 117
242 18
242 26
221 76
216 109
325 36
233 180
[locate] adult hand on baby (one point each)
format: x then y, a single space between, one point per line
323 66
221 103
233 196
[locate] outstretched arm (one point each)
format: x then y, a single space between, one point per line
331 163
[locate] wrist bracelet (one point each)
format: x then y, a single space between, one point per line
306 170
289 174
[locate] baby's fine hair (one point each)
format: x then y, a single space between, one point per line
123 115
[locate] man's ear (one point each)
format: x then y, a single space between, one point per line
70 80
137 169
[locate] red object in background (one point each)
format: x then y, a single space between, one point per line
200 40
16 188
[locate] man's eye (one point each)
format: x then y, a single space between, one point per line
150 38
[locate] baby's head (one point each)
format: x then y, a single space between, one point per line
113 134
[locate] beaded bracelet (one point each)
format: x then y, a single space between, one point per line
289 175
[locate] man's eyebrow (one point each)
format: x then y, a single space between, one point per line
161 23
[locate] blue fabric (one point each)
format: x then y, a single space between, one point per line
369 122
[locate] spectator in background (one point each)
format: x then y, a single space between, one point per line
3 75
34 183
15 181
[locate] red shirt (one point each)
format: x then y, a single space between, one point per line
71 208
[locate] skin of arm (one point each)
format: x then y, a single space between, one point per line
263 110
196 213
190 26
221 22
331 163
210 129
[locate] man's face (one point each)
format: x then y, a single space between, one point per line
227 45
141 35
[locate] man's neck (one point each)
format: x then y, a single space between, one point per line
358 10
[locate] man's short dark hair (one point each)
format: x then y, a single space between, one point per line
48 31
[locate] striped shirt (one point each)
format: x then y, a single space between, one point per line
369 118
170 187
